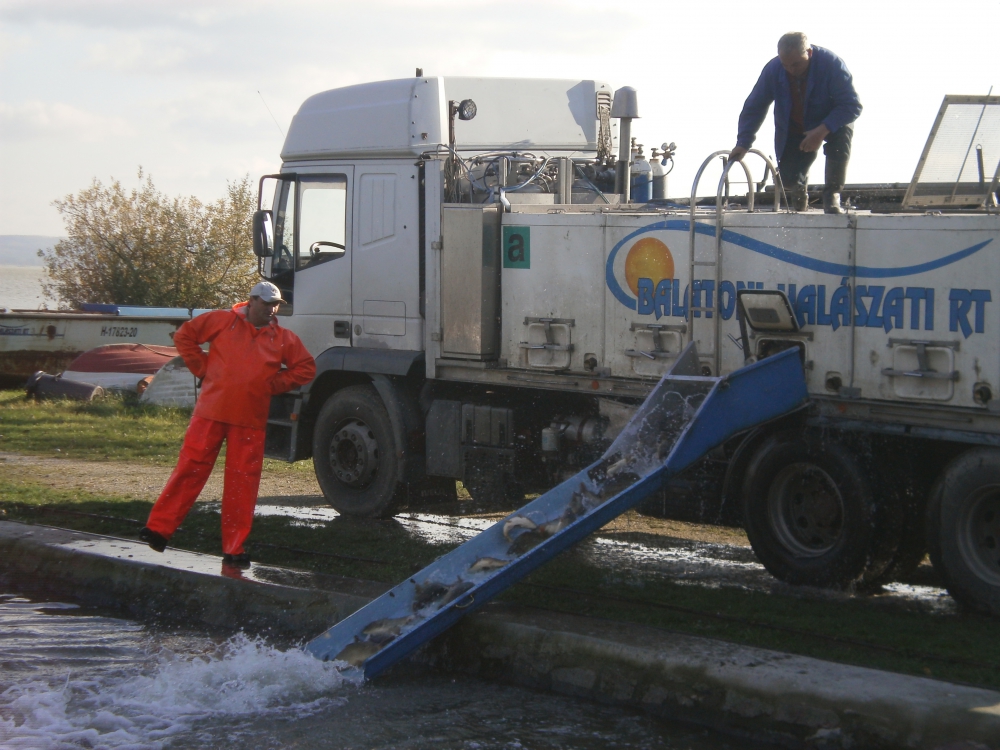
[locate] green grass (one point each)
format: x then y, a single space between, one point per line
116 428
961 648
113 428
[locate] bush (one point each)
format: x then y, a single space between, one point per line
145 248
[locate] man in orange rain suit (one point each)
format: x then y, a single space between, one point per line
240 373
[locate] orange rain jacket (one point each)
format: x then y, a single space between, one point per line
242 368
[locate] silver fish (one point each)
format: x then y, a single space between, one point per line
616 467
551 528
516 522
487 564
586 499
383 631
358 652
438 593
526 541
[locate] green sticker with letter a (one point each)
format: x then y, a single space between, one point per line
517 247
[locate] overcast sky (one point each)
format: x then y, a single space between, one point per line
98 88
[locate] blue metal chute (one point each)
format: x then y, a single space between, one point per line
683 418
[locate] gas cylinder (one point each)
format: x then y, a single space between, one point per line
641 177
658 175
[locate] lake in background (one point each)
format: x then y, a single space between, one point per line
21 288
21 271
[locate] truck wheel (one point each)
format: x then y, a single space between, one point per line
963 521
809 513
355 454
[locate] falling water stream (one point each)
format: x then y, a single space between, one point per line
78 678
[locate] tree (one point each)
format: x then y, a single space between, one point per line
145 248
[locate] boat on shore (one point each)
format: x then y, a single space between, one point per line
33 340
119 367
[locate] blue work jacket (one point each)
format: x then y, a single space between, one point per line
830 99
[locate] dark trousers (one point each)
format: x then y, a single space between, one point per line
794 164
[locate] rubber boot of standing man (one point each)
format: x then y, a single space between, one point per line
814 104
250 359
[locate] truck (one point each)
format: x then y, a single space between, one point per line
487 303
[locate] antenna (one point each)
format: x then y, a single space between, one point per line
270 113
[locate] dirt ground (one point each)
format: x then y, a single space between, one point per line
282 486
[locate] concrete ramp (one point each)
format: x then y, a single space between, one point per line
684 417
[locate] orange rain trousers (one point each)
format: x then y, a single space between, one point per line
244 459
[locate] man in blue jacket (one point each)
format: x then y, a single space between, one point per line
814 101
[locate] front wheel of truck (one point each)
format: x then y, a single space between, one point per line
355 454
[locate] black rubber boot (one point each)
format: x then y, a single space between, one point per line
836 176
154 540
242 560
798 198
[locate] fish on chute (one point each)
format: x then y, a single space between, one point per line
487 564
517 522
358 652
385 630
439 594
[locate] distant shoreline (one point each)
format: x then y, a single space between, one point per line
22 249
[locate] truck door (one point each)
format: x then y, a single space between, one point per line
323 258
386 265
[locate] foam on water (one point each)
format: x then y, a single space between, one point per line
166 695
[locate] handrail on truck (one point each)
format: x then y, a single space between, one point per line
779 194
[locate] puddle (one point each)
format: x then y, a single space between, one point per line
679 560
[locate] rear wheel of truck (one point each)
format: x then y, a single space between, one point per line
963 521
355 454
809 513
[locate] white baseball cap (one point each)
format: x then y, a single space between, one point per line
267 292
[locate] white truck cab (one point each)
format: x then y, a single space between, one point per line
485 303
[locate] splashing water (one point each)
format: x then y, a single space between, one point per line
148 701
71 679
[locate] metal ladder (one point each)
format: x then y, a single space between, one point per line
684 417
722 191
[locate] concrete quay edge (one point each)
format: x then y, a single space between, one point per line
774 697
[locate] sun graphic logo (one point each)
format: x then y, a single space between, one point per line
648 269
649 258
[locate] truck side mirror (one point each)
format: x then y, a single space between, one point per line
263 234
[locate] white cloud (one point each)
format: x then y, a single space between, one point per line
40 120
134 55
100 86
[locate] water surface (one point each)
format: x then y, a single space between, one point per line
76 678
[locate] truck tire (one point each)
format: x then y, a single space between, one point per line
355 454
963 523
809 513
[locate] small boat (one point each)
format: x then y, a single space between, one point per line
119 367
173 385
33 340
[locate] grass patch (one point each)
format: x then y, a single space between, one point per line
951 647
113 428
